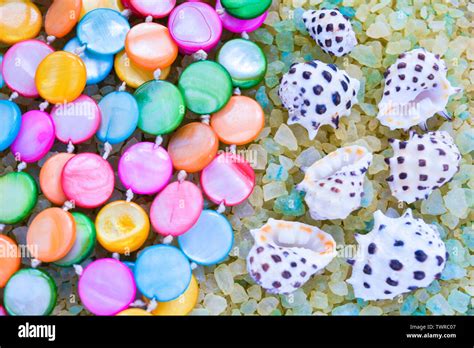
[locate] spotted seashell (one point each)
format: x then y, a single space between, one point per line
331 30
399 255
416 88
286 254
334 184
316 93
421 165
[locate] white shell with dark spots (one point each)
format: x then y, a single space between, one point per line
416 88
331 30
286 254
316 93
421 165
334 184
399 255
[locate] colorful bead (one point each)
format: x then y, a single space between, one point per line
209 241
20 20
246 9
145 168
237 25
122 227
18 196
10 119
239 122
10 259
175 209
228 179
134 312
206 87
88 180
184 304
245 62
161 107
91 5
162 272
106 287
145 8
51 175
62 16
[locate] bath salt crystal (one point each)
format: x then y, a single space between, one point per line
365 55
258 156
267 305
285 41
200 311
295 299
319 300
238 267
347 309
224 278
290 205
453 271
238 294
255 292
398 47
465 141
273 190
433 205
459 301
371 310
307 157
398 20
215 304
409 305
275 172
249 307
338 288
378 30
256 198
286 162
456 203
285 137
439 306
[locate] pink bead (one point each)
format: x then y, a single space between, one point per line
237 25
20 64
228 179
76 121
88 180
156 9
145 168
177 208
36 137
195 26
106 287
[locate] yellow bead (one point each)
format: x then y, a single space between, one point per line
183 304
89 5
133 75
134 312
20 20
122 227
61 77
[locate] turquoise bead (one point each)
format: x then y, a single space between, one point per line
245 62
18 196
10 121
206 87
246 9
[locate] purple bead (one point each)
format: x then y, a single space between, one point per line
237 25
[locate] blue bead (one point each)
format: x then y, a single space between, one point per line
210 239
119 117
98 66
162 272
103 31
10 121
2 82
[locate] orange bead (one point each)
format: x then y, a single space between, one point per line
19 20
10 259
62 16
51 235
239 122
150 46
50 178
193 147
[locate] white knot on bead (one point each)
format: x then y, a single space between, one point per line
78 269
126 13
50 39
220 11
158 141
193 265
168 239
129 195
157 74
70 147
35 263
80 50
68 205
149 19
200 55
122 87
182 175
138 304
107 150
152 305
237 91
21 166
221 208
244 35
205 119
13 96
116 256
44 105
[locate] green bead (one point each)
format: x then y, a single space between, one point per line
161 107
246 9
84 244
30 291
245 62
206 86
18 196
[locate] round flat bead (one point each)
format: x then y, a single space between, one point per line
10 119
76 121
145 168
122 227
239 122
10 259
30 291
20 20
162 272
103 31
51 234
91 5
193 147
133 75
51 175
20 64
62 16
209 241
134 312
184 304
206 87
246 9
156 9
61 77
119 117
84 243
106 287
245 62
150 46
237 25
98 66
195 26
176 209
229 179
36 137
88 180
18 196
161 107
